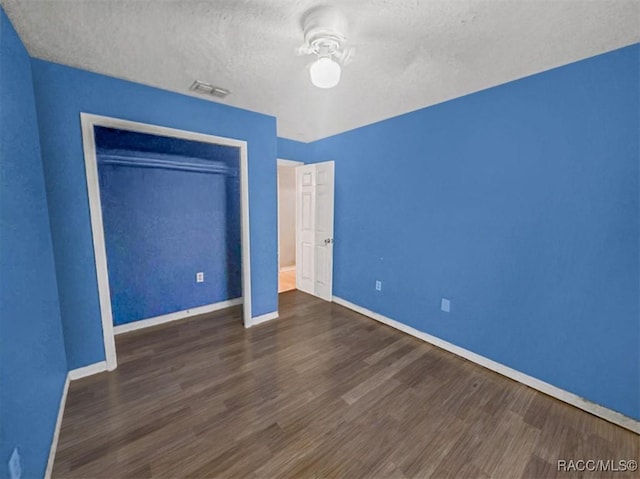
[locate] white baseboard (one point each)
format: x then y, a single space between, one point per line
85 371
56 431
553 391
165 318
261 319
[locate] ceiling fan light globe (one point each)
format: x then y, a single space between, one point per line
325 73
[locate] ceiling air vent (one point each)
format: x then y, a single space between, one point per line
208 89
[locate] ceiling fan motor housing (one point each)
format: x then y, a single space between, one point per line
324 30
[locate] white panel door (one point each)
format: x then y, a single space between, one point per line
305 227
314 229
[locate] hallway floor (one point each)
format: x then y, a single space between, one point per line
286 280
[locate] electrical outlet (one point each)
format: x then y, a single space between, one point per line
445 305
200 277
15 467
378 285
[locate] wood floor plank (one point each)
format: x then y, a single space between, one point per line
320 392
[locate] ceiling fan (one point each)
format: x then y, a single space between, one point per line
325 36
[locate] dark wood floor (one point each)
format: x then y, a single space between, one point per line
321 392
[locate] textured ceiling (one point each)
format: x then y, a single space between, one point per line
409 54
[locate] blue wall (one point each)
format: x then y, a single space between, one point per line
293 150
61 94
521 205
32 358
162 226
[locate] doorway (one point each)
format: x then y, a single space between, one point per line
287 224
89 125
305 227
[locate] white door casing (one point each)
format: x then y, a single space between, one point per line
314 229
